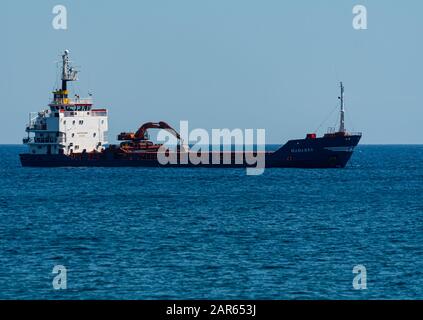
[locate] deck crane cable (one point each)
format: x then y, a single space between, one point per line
327 118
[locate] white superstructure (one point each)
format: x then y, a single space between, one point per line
68 125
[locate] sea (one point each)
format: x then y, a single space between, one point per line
172 233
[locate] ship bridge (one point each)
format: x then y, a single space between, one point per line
71 104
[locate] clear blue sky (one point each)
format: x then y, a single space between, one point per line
222 64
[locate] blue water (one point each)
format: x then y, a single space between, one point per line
137 233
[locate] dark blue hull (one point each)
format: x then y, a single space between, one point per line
325 152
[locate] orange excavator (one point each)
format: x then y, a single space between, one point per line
140 139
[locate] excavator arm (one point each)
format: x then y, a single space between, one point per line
141 132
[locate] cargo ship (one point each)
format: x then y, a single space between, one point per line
70 132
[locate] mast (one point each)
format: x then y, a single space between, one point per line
342 116
68 73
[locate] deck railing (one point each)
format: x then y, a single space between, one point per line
72 101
